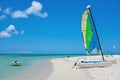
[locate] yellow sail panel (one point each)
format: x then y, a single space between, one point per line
84 18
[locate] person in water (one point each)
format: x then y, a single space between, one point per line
15 61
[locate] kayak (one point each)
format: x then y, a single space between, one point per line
15 63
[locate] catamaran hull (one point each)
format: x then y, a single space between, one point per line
98 64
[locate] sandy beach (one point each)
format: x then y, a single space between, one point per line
61 69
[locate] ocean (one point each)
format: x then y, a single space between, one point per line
26 60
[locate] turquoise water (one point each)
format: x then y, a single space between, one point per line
6 70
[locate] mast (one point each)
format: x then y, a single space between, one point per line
88 7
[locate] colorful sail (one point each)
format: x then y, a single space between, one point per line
89 35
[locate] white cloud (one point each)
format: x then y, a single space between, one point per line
42 15
35 9
2 17
7 11
10 28
4 34
9 31
19 14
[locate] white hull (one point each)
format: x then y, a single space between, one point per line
15 64
90 64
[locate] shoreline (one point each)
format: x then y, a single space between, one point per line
61 69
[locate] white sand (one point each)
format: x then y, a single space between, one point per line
107 73
61 70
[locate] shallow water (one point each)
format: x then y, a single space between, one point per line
6 70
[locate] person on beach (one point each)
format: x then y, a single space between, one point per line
82 61
76 62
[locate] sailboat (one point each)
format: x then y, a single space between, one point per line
91 41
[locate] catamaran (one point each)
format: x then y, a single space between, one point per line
91 42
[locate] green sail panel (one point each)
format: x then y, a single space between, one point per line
89 33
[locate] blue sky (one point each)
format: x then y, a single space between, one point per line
54 26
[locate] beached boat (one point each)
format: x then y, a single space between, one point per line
91 42
90 64
15 63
